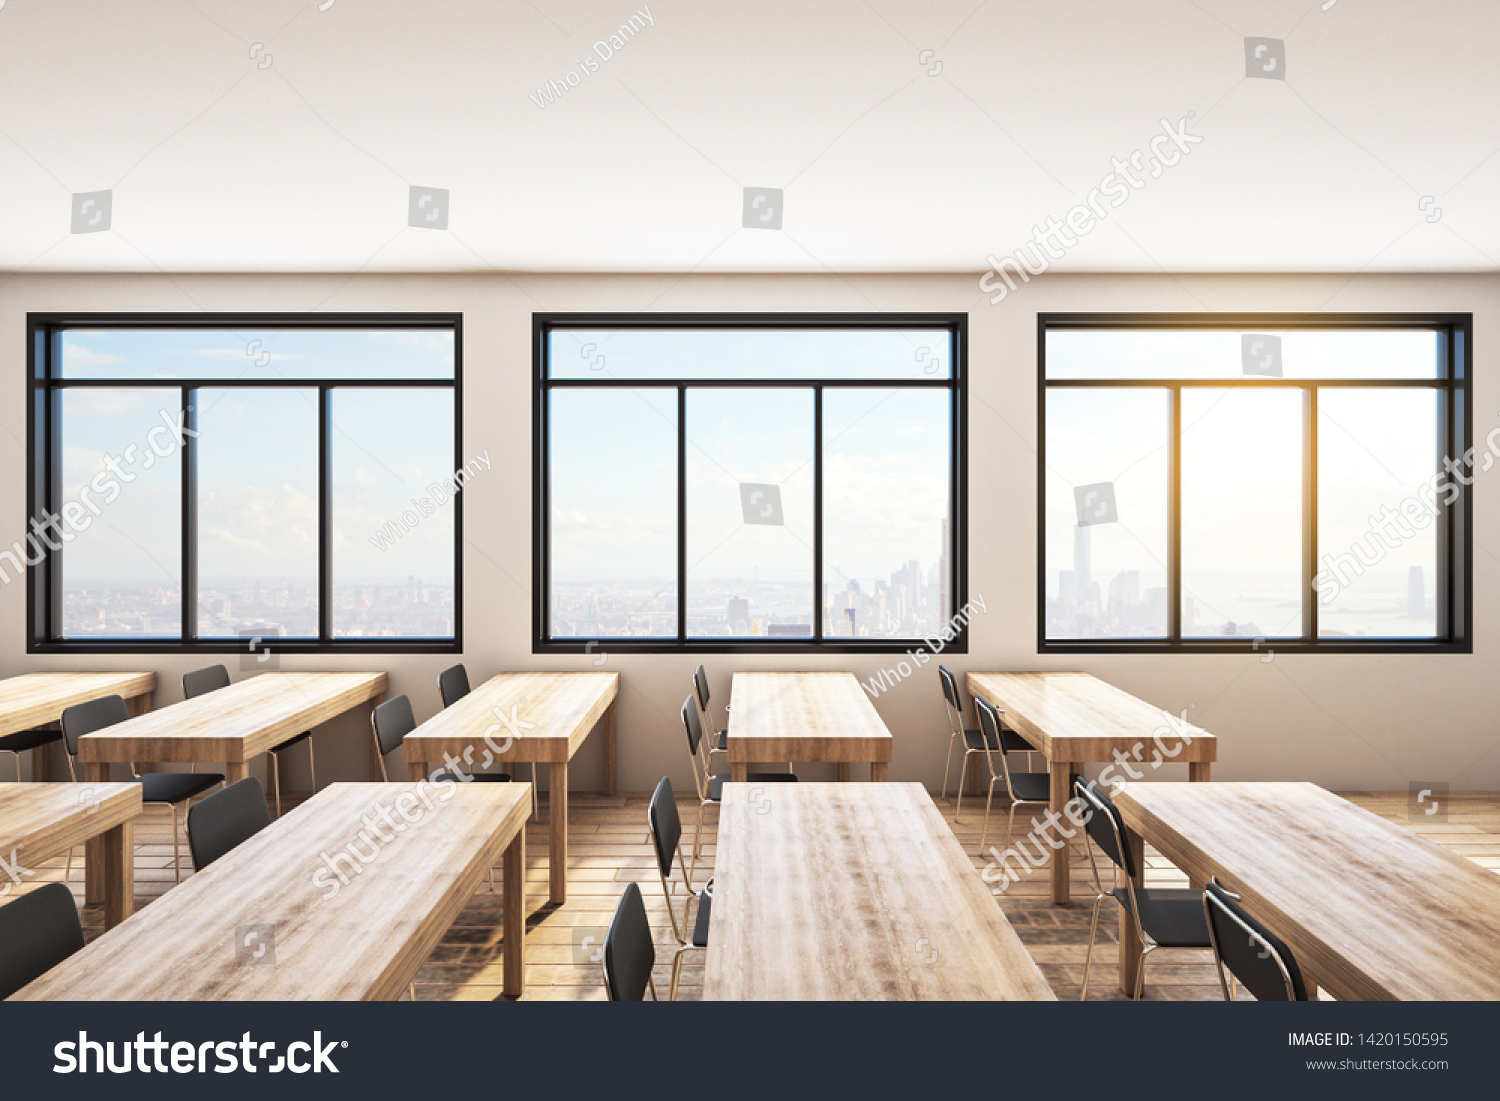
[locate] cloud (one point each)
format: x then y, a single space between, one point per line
241 353
76 355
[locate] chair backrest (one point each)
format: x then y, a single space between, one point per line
700 685
1258 958
85 718
453 684
393 721
629 950
989 728
1104 825
224 819
208 679
950 688
37 932
666 827
693 726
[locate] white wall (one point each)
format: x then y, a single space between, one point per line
1344 721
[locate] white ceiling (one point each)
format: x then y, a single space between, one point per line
216 163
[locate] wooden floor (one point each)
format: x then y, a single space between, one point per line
609 847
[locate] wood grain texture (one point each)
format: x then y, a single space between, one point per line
854 892
1370 910
235 724
364 941
564 706
1077 717
812 717
39 821
34 700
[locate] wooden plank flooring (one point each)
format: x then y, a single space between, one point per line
608 847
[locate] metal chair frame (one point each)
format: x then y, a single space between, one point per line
989 713
1229 985
680 935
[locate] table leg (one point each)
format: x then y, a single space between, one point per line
41 758
95 849
235 771
1130 944
739 771
879 771
843 772
557 824
139 705
609 747
1062 862
118 866
1199 772
416 771
513 883
377 766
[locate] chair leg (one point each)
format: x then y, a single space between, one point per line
1140 972
697 839
176 845
963 764
411 991
676 974
1088 961
947 764
276 778
312 766
986 830
68 874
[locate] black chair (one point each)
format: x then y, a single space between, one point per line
711 784
224 819
391 722
1034 788
666 835
163 789
718 740
974 740
453 685
1164 917
213 677
629 950
37 932
1252 953
23 740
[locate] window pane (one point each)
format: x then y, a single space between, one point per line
1107 454
612 466
1242 512
258 512
679 354
750 512
393 489
1377 540
121 570
1228 353
885 512
258 353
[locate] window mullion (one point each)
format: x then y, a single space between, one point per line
1174 520
817 593
188 502
1310 515
681 514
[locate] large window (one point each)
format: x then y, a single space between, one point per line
1256 483
197 482
748 482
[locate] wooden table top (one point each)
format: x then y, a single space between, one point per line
1370 910
804 717
38 821
33 700
564 707
854 892
1078 717
237 723
363 941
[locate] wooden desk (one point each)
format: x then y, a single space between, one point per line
814 717
34 700
1075 718
564 706
854 892
40 821
363 941
1370 910
235 724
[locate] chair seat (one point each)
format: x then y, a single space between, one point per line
23 740
1031 787
716 793
174 787
722 745
298 740
1009 739
1172 917
482 777
700 924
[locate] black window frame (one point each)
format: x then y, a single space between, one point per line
1454 597
957 325
43 437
